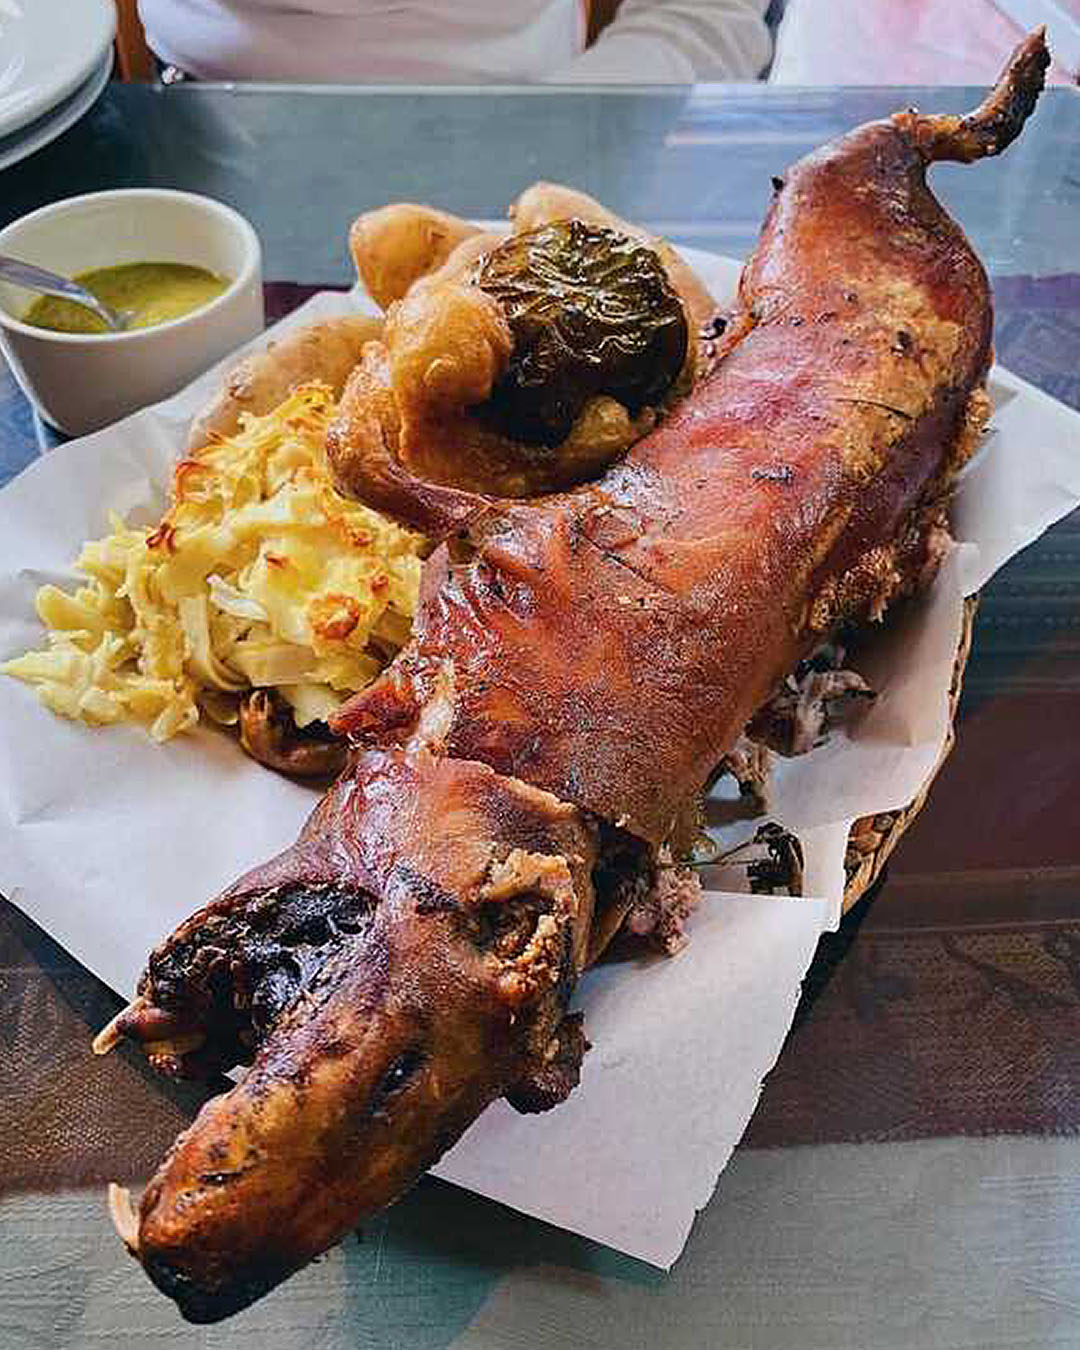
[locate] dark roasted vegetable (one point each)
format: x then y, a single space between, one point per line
591 312
269 734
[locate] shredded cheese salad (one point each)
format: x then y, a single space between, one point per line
260 576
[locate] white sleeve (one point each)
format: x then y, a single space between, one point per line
676 42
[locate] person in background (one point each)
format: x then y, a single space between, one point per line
461 41
918 42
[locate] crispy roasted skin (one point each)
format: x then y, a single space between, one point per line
777 501
580 664
413 952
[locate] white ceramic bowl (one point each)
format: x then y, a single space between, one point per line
80 382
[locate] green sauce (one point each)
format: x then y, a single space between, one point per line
155 292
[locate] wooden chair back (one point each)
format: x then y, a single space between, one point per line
134 59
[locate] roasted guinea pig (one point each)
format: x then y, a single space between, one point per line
579 665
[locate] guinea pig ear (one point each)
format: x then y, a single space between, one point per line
557 1074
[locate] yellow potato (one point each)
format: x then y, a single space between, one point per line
326 352
398 244
459 261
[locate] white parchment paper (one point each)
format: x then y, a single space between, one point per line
109 841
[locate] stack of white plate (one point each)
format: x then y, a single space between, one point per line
55 59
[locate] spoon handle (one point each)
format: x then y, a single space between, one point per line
37 279
21 273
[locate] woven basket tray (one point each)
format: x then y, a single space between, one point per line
873 838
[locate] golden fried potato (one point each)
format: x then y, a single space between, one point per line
448 344
398 244
545 202
461 261
325 351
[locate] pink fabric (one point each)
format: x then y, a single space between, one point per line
888 43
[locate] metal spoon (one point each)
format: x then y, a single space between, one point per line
50 283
